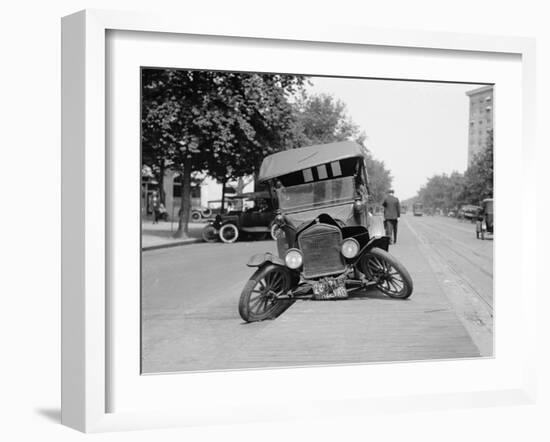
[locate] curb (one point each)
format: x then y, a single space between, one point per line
183 242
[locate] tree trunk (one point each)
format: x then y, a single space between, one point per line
240 185
162 194
185 212
222 209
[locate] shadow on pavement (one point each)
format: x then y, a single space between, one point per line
51 414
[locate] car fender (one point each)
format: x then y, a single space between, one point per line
382 242
261 258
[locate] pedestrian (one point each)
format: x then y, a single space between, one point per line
156 208
392 212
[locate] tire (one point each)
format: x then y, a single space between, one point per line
255 304
196 216
210 234
229 233
392 277
206 212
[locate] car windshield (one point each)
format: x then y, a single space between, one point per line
316 195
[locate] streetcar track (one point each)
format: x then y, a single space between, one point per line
441 232
462 255
457 273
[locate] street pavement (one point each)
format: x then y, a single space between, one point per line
190 296
161 234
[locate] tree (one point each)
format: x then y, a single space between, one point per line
223 123
442 191
451 191
380 178
479 175
321 119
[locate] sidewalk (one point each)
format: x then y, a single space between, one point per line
156 236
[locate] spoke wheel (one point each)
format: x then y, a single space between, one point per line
210 234
259 297
229 233
390 275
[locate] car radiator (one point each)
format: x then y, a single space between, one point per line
320 246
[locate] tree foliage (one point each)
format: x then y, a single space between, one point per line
224 123
320 119
454 190
478 179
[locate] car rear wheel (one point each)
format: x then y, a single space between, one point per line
229 233
258 299
391 277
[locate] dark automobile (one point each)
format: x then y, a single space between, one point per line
469 212
484 222
325 250
254 217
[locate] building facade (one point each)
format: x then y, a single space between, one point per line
481 119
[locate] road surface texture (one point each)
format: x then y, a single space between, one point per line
190 296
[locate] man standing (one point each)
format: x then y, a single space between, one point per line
392 211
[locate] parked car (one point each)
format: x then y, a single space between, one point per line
484 222
254 217
469 212
325 250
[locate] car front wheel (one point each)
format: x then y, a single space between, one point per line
259 298
229 233
209 233
390 276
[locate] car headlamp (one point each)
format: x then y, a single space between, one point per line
293 259
350 248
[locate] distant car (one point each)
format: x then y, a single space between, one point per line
451 213
470 212
254 217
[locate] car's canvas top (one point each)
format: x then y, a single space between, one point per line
293 160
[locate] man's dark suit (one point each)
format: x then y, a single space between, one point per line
392 211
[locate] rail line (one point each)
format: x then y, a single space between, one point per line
459 274
464 256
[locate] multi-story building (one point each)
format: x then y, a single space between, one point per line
481 119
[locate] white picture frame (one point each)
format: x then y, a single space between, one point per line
86 315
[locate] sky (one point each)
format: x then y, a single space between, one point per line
418 129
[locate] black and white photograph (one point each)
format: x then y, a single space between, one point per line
293 220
